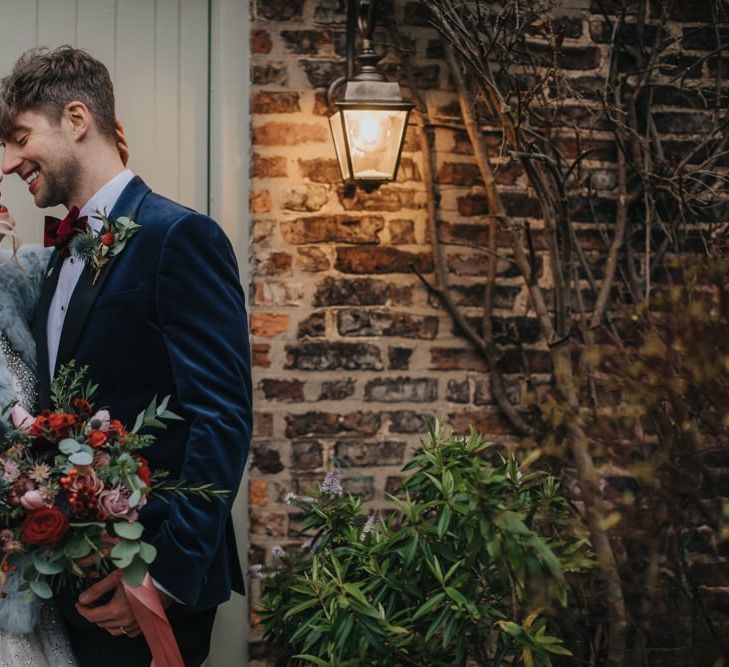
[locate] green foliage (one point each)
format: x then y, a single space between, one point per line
468 567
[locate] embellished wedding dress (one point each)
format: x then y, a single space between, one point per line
33 634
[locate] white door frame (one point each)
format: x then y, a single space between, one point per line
228 201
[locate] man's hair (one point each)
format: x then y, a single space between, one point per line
46 80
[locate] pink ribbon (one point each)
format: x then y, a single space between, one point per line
150 614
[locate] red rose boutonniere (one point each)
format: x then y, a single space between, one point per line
97 248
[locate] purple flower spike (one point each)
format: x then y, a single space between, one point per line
332 484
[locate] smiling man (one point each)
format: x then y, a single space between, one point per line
164 317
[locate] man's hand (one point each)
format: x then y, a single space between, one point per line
115 616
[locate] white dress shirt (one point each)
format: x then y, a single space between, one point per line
72 268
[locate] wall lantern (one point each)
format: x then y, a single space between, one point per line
369 122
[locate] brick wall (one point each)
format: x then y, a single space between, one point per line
350 352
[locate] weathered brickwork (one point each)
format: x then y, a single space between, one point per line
350 351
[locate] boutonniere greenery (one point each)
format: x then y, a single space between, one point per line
97 248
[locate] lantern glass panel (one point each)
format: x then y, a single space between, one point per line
374 137
335 123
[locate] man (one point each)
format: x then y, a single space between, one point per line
165 316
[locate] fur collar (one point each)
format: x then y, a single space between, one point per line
20 284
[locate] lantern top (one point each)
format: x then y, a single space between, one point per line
378 93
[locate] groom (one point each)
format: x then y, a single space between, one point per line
165 316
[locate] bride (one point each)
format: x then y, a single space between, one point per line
31 632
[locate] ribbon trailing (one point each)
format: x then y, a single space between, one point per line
150 614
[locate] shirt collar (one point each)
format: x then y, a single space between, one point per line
105 198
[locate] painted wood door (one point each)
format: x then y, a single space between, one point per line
157 55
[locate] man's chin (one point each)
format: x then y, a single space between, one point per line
44 201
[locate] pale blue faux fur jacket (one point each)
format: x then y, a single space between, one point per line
20 282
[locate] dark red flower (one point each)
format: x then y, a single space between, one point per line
108 239
44 527
115 426
143 471
82 405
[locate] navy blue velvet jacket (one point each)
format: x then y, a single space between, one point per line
167 317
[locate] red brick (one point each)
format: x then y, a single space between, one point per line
260 355
276 133
270 102
260 42
268 167
282 390
381 260
257 493
333 228
268 324
454 358
484 421
260 201
262 424
321 170
384 198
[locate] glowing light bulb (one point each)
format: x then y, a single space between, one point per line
368 132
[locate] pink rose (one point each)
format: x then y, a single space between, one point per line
115 503
33 499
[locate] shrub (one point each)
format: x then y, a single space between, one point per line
468 567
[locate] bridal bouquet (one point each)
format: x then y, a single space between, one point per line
72 482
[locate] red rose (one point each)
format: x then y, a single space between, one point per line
108 239
143 471
60 422
44 527
39 425
97 438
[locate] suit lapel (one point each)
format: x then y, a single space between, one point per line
86 291
40 326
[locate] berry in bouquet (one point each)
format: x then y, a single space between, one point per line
72 482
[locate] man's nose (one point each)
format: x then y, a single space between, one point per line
11 160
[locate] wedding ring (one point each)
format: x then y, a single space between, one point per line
121 627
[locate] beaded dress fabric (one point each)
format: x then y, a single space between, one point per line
47 645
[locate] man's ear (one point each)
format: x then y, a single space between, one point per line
78 119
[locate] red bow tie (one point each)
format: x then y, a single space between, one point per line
58 233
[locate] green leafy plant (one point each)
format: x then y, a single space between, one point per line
468 567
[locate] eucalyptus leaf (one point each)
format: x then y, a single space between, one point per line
129 531
134 573
41 589
147 552
124 552
77 547
45 566
69 446
81 459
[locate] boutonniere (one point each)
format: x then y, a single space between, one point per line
97 248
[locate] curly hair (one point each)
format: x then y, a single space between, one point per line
46 80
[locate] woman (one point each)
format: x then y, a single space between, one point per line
31 632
